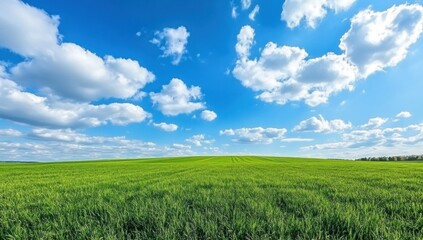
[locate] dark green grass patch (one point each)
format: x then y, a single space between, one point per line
212 198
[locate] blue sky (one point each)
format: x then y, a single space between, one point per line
127 79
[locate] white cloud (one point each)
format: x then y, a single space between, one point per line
274 65
377 40
212 149
227 132
369 136
26 30
208 115
139 96
20 106
196 139
63 69
245 4
234 12
176 98
166 126
282 74
10 133
374 142
255 135
312 81
180 146
312 11
172 41
245 41
254 12
65 144
320 124
69 135
335 145
199 139
3 73
75 73
375 122
403 115
291 140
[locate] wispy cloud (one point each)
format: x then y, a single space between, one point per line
255 135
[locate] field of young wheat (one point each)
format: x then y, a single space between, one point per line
212 198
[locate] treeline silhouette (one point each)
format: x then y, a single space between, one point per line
393 158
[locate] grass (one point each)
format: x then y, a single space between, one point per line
212 198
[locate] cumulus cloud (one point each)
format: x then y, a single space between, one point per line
377 40
319 125
63 78
172 41
312 11
176 98
312 81
10 133
167 127
245 39
199 139
25 107
64 69
275 63
282 73
255 135
403 115
208 115
27 30
375 122
75 73
254 12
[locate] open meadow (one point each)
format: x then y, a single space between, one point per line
212 198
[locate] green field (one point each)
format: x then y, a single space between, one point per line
212 198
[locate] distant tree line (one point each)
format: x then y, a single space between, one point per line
393 158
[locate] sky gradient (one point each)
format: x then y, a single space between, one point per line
128 79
